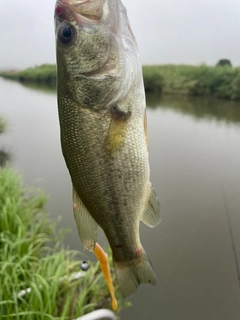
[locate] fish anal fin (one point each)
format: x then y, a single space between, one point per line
86 225
117 130
152 215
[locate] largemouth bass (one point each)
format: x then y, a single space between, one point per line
101 103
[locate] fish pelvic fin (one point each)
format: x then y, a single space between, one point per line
86 225
152 215
130 274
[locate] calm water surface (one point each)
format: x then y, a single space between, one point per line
195 168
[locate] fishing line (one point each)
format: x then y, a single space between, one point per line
180 254
230 229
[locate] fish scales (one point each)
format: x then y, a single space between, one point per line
101 105
111 185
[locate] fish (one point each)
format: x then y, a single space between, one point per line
103 130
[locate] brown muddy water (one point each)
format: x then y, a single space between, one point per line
195 168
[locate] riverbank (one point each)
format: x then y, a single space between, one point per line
36 272
184 80
43 75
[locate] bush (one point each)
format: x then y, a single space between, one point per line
224 63
223 83
153 81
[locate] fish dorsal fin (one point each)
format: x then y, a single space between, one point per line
86 225
152 215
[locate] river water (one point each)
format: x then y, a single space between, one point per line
195 168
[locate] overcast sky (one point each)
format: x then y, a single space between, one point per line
167 31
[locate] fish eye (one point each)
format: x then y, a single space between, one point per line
66 33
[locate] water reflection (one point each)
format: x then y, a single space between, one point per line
208 108
40 87
198 107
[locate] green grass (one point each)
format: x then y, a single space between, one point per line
44 74
32 256
219 82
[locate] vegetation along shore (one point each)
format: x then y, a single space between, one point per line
36 272
220 81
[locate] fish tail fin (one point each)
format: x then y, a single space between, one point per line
131 273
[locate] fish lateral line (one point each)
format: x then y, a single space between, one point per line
145 130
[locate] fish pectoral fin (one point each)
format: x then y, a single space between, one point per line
152 215
86 225
117 129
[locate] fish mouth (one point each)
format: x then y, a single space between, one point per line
92 10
